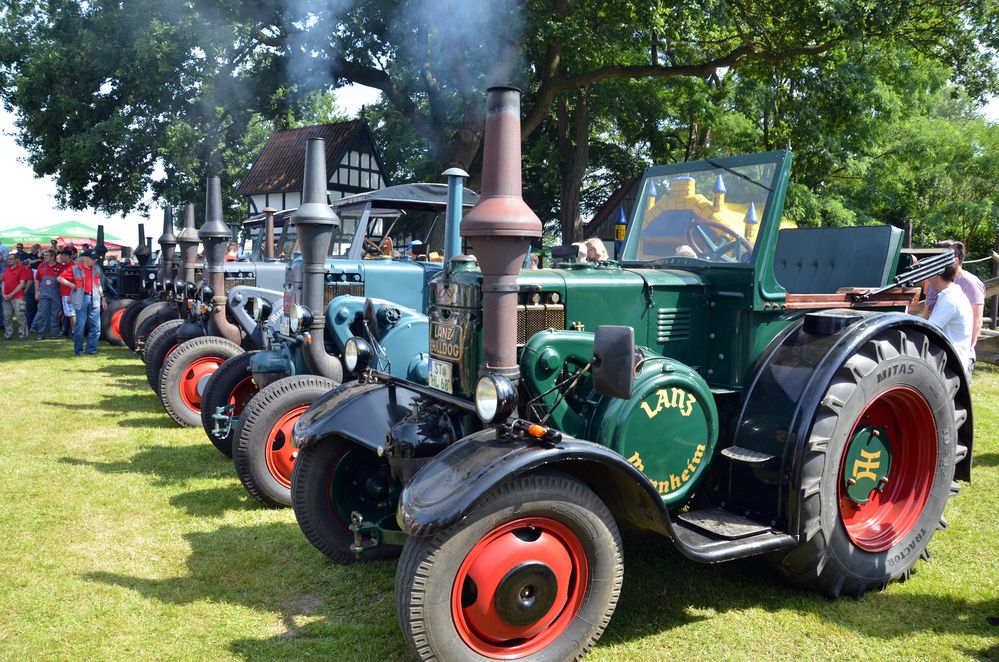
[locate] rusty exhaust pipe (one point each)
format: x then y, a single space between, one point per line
269 233
188 241
168 245
315 222
101 248
500 228
215 235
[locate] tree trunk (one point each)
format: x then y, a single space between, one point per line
573 157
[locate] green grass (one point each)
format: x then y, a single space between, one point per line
125 537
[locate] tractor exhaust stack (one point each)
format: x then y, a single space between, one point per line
168 245
215 235
188 242
142 251
269 232
315 222
101 247
500 228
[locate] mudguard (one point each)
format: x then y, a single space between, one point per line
452 484
236 299
783 396
351 411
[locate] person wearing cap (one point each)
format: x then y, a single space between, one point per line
22 254
65 261
15 283
87 298
47 296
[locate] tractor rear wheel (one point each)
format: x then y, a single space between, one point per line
878 466
232 384
533 573
127 326
111 320
263 452
150 318
333 479
185 373
159 344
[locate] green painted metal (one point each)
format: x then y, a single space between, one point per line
866 463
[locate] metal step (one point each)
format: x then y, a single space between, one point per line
747 455
712 535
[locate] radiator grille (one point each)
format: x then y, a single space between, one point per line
535 317
672 324
232 281
333 290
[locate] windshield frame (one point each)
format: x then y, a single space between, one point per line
770 215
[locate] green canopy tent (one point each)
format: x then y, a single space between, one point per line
69 229
23 235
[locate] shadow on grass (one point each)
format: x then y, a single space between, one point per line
986 460
696 592
216 501
169 464
270 568
123 406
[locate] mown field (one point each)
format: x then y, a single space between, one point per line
125 537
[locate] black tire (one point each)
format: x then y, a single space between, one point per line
183 376
263 453
231 382
115 308
127 325
159 344
900 376
312 494
150 318
554 509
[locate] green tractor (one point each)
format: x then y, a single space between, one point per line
760 392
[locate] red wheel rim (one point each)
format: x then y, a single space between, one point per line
519 588
280 453
192 383
891 513
240 395
169 352
116 323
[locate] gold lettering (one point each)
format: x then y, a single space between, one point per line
674 482
698 453
649 410
668 399
688 406
871 463
636 461
685 475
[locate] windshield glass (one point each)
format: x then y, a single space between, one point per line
415 234
288 243
709 213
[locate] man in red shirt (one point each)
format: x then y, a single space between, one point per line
47 295
68 312
87 297
15 281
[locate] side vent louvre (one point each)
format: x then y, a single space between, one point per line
333 290
535 317
672 325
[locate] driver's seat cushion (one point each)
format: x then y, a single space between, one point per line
823 260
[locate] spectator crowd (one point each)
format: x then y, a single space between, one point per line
55 292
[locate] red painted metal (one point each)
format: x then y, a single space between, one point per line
892 513
189 382
116 323
528 540
280 452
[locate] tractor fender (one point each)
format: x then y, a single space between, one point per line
783 396
362 413
454 482
236 299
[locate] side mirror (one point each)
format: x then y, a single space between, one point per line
614 361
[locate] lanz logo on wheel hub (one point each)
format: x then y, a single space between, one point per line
868 459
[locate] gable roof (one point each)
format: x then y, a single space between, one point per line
280 164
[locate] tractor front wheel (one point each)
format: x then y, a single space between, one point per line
533 573
878 466
126 326
232 384
333 479
185 373
263 452
159 344
111 320
151 318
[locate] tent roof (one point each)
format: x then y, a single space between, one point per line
71 229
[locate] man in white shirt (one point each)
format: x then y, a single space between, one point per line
952 314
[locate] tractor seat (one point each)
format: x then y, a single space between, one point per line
823 260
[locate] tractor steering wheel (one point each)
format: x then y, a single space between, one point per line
715 241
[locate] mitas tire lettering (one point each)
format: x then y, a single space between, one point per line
903 381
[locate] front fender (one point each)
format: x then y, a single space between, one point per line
236 299
361 413
451 485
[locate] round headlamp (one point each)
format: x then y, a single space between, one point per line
191 290
258 308
299 318
495 398
356 355
207 293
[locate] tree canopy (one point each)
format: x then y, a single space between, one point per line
865 92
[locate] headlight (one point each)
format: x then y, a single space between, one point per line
259 308
356 355
300 318
192 290
495 398
178 287
207 293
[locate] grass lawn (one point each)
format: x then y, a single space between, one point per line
123 536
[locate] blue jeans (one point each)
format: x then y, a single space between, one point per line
87 318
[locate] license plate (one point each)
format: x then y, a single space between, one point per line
440 376
289 301
285 325
445 340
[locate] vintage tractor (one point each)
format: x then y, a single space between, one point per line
192 350
748 401
304 359
129 290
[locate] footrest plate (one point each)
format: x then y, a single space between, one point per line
723 523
